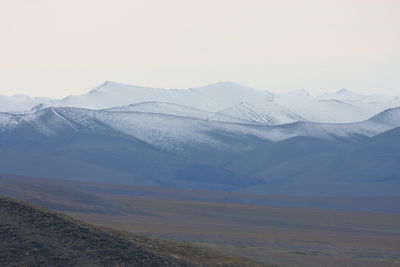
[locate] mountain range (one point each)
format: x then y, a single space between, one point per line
225 101
224 136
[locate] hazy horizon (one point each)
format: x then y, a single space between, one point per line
60 48
310 92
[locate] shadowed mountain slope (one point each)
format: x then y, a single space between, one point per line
165 150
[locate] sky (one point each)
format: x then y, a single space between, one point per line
57 48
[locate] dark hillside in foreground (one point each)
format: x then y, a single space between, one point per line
32 236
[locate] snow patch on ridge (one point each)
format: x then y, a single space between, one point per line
175 133
176 110
269 114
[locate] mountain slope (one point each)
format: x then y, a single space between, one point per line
342 95
317 110
261 106
177 110
35 236
368 168
21 103
264 113
229 93
81 146
124 147
209 98
225 101
175 133
367 105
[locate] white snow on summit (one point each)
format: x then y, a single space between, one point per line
317 110
228 94
209 98
21 103
112 94
225 101
342 95
176 110
175 133
266 113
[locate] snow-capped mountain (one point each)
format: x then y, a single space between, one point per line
223 136
343 106
326 111
342 95
138 147
226 101
176 133
177 110
21 103
318 109
228 94
208 98
242 102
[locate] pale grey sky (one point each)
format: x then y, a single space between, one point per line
60 47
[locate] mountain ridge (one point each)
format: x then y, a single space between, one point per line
161 127
342 106
165 150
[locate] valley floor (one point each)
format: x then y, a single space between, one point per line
293 236
294 231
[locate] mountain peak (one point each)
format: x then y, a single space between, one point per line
21 96
342 95
106 84
296 93
230 93
226 85
345 91
302 92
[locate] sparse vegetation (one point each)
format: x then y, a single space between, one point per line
288 235
32 236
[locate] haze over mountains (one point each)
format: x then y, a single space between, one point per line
223 136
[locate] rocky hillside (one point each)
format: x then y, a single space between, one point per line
32 236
